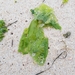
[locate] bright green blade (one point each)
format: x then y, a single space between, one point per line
46 14
3 29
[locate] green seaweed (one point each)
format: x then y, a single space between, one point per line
3 29
46 14
33 40
65 1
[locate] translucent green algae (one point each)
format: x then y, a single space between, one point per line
65 1
33 40
46 15
3 29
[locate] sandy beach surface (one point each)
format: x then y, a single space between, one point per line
14 63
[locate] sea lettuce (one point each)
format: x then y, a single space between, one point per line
39 50
65 1
3 29
34 42
46 14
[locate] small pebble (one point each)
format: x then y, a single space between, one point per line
67 34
